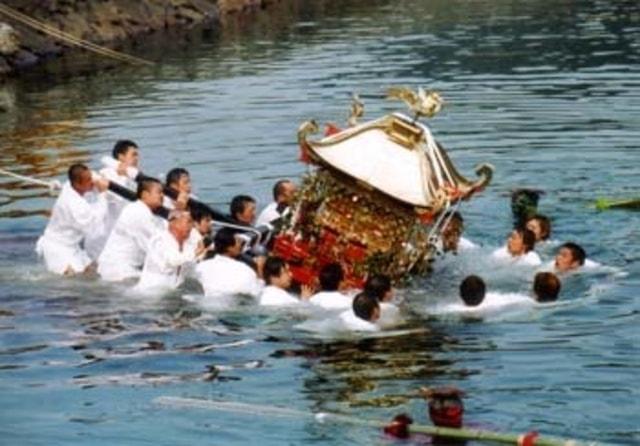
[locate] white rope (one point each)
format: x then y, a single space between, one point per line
53 185
70 39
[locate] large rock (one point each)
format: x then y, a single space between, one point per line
9 40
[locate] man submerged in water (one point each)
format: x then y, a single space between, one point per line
519 248
331 282
570 257
363 314
278 279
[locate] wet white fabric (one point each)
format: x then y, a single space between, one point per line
464 244
223 275
331 300
274 296
529 259
389 315
494 304
268 214
124 253
352 322
115 204
72 219
165 265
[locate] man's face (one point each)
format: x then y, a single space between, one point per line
181 227
204 225
248 215
236 249
153 197
565 261
85 183
515 244
284 279
184 184
288 192
130 158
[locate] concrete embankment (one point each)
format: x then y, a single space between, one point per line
109 23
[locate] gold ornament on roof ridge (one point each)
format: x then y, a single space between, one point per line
422 103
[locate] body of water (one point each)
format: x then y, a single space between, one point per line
548 92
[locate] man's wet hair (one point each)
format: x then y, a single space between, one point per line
239 204
174 175
364 306
272 268
224 239
528 238
472 290
145 185
545 225
577 252
278 188
377 286
199 212
330 277
121 147
546 287
75 172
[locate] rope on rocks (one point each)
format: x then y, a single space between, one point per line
71 40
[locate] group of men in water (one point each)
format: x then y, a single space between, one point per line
92 229
518 250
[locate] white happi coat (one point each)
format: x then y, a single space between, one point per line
529 259
351 322
268 214
72 219
331 300
96 240
166 264
273 296
123 255
223 275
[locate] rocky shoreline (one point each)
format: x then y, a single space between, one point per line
109 23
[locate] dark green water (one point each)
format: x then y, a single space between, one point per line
548 92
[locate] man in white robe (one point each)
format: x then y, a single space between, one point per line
278 278
519 249
169 256
283 193
72 218
363 315
125 160
124 253
331 279
178 180
223 274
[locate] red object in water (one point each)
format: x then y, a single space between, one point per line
399 427
528 439
446 417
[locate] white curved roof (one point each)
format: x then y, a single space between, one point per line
374 158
